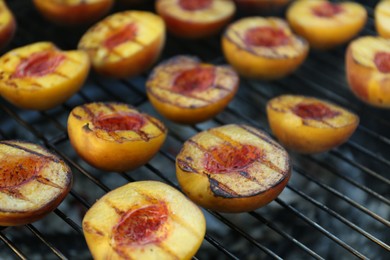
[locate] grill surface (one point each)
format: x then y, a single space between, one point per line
336 205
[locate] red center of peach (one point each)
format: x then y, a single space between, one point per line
39 64
124 34
141 226
193 5
316 111
382 61
266 37
15 171
327 10
120 122
196 79
224 158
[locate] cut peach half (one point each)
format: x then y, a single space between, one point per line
382 18
195 18
124 44
232 168
309 125
41 76
325 24
7 24
185 90
263 48
368 70
144 220
73 12
114 136
33 182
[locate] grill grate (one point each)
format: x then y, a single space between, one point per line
336 205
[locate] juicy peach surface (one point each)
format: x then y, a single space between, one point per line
114 136
144 220
7 24
124 44
382 18
33 182
40 76
73 12
195 18
232 168
185 90
309 125
324 24
263 48
368 70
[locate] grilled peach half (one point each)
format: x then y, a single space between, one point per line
263 48
33 182
368 70
7 25
73 12
324 24
232 168
124 44
309 125
144 220
382 18
261 7
114 136
185 90
40 76
195 18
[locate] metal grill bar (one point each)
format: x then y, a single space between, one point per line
12 246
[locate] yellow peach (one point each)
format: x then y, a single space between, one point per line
73 12
144 220
382 18
309 125
185 90
195 19
40 76
232 168
33 182
124 44
114 136
263 48
324 24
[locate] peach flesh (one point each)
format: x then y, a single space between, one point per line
327 10
382 61
125 34
196 79
194 5
316 111
38 64
141 226
15 171
266 37
224 158
119 122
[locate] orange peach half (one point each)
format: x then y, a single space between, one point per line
144 220
40 76
382 18
124 44
324 24
185 90
368 70
263 48
33 182
7 25
309 125
73 12
195 18
232 168
114 136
